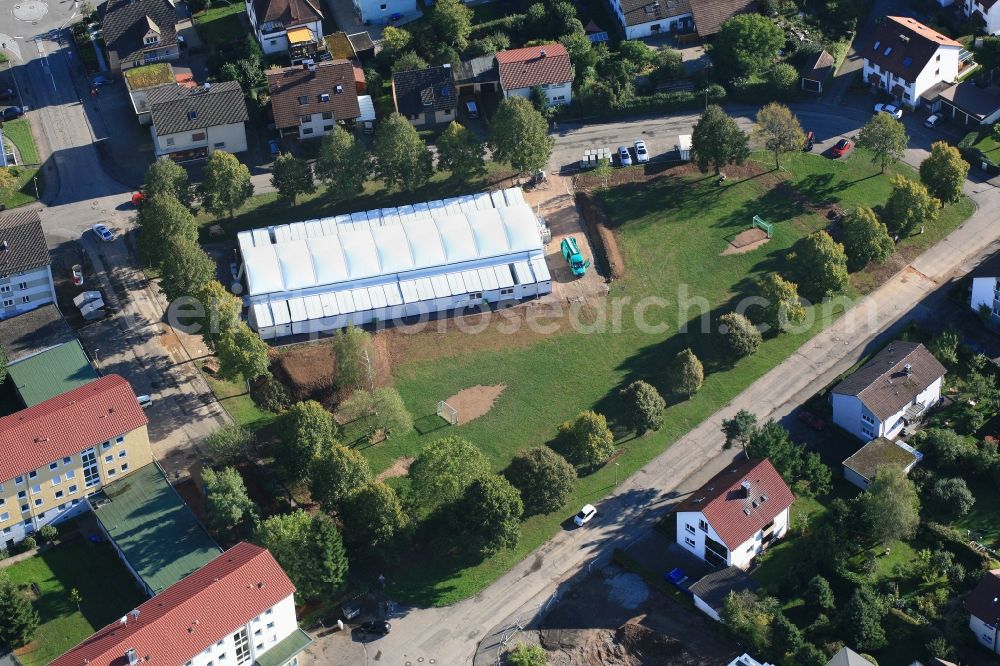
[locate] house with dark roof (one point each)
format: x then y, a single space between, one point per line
139 32
710 591
237 609
736 515
892 390
425 96
25 266
189 123
860 467
57 452
310 100
647 18
34 332
477 75
279 25
547 67
848 657
983 605
986 287
905 58
966 103
816 71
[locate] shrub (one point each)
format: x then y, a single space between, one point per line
28 543
272 395
588 439
740 337
543 477
524 654
643 407
952 497
47 533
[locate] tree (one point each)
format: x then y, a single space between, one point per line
773 442
890 507
525 654
222 311
783 306
487 517
408 61
952 497
8 180
226 501
944 347
443 470
247 72
717 141
460 152
785 637
452 22
783 80
819 594
163 219
309 549
351 354
306 430
342 164
779 131
740 337
543 477
401 158
519 136
944 172
230 443
688 372
374 518
335 473
75 598
866 239
810 655
242 353
910 206
746 44
862 621
165 176
381 411
821 264
186 269
292 177
814 471
18 618
885 138
643 406
588 439
946 450
394 42
740 428
48 533
226 185
749 616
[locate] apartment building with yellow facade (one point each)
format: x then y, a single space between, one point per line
56 453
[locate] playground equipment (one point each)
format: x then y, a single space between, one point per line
571 253
761 224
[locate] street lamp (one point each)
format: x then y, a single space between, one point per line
35 178
616 474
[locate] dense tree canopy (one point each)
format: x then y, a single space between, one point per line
890 507
944 172
543 477
186 268
452 22
18 618
380 413
460 152
687 372
309 549
779 131
866 239
226 183
821 265
292 176
783 307
226 501
746 45
401 158
740 428
885 138
488 516
343 164
519 136
306 430
163 219
165 176
910 207
374 519
739 337
352 355
230 443
862 621
588 439
717 141
335 473
443 470
242 353
643 408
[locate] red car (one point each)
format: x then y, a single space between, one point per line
842 148
811 420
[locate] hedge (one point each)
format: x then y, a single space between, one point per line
953 541
507 24
679 100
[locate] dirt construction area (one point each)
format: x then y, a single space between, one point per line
614 618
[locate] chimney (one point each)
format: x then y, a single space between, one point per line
542 54
132 656
207 86
908 369
745 485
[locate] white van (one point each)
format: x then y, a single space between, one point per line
144 401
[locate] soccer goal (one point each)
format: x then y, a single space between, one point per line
759 222
447 412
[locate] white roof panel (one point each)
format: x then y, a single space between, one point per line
425 290
314 307
522 271
521 227
329 303
367 108
408 290
406 210
359 216
297 309
468 203
439 284
263 270
327 260
245 239
296 265
261 237
540 269
472 281
393 248
456 283
425 245
262 315
376 296
282 233
359 251
498 199
280 313
392 295
314 229
490 234
488 278
345 303
504 278
298 230
513 196
362 301
329 226
483 201
430 206
456 234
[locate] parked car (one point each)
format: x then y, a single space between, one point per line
811 420
99 81
841 148
471 109
6 94
891 109
586 513
12 112
624 157
377 627
144 401
103 233
933 120
641 154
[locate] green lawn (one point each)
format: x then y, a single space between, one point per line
984 518
221 24
235 398
105 597
19 132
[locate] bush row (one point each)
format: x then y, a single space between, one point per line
663 102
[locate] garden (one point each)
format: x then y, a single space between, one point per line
29 182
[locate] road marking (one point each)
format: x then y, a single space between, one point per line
45 63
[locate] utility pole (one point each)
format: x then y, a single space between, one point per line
616 474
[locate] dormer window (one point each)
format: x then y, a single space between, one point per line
887 51
303 100
324 97
876 46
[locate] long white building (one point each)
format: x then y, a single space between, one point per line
391 263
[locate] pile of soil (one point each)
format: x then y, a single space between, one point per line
607 254
650 647
306 371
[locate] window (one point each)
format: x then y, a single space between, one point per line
170 140
242 642
59 494
887 51
66 460
867 419
307 130
72 489
62 506
32 474
306 118
327 115
382 7
702 525
41 515
270 625
5 289
476 296
22 285
937 72
120 440
22 494
125 467
24 508
74 502
37 488
303 99
106 445
91 477
327 128
258 632
109 458
70 474
38 501
509 291
112 472
26 299
938 58
2 501
447 112
259 647
868 432
689 528
219 644
324 97
269 611
56 480
219 146
875 48
198 136
122 453
4 517
689 541
19 480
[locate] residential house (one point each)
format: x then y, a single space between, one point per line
647 18
966 103
381 12
986 287
191 123
906 59
892 390
310 100
25 265
860 467
139 32
816 71
140 80
278 24
736 515
709 592
986 10
56 453
746 660
709 15
238 609
477 75
547 67
848 657
425 96
983 605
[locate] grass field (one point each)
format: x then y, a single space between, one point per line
221 24
19 132
59 570
235 398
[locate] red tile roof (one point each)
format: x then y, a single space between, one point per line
727 508
526 68
191 614
984 601
67 424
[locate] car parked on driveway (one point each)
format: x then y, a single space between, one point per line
641 154
933 120
12 112
891 109
377 627
624 157
586 514
103 233
841 148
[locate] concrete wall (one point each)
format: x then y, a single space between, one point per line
705 608
232 137
847 410
855 478
985 633
558 94
681 23
35 285
379 12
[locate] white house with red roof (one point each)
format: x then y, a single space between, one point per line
736 515
906 59
547 67
238 609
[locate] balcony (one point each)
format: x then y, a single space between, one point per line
304 45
